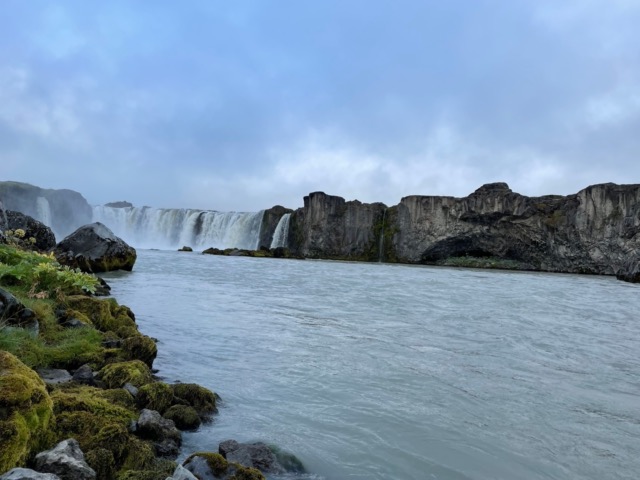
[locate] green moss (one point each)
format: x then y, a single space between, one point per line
102 461
155 396
217 463
245 473
26 412
184 416
105 314
134 372
140 347
482 262
220 467
196 396
140 455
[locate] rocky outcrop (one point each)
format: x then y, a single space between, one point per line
62 210
270 221
120 204
630 271
29 228
95 248
329 227
594 231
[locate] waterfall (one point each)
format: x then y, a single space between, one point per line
170 228
381 242
43 211
281 235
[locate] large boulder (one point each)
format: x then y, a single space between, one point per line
29 230
94 248
65 460
255 455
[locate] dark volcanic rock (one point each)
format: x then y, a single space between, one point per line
185 249
42 234
166 437
255 455
94 248
630 271
270 220
14 313
329 227
594 231
65 460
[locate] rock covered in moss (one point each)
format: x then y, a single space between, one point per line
184 416
95 248
43 237
200 398
140 347
257 455
155 396
65 460
26 411
104 314
213 466
102 462
166 437
135 372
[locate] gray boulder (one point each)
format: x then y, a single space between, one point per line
94 248
27 474
54 376
166 437
256 455
65 460
182 473
84 375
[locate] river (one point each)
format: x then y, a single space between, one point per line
377 371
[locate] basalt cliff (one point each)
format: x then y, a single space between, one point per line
596 230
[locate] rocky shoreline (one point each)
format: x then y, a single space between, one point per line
79 398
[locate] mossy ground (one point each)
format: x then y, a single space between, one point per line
26 412
33 419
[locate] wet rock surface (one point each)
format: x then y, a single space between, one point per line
95 248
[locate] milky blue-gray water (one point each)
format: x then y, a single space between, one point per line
375 371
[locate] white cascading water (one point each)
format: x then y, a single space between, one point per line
281 234
171 228
43 211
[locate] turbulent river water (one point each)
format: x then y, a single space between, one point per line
375 371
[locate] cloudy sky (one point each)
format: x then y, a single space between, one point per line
244 104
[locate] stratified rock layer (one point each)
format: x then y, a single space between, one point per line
594 231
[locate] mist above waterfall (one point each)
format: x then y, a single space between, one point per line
169 228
